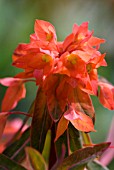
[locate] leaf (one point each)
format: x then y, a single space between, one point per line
3 118
9 81
64 93
7 163
50 86
47 146
79 167
74 137
62 141
41 121
18 133
53 155
16 149
15 92
85 103
94 41
59 159
79 120
83 156
61 127
106 94
35 158
96 165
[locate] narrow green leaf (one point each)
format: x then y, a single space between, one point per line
9 164
63 140
59 160
74 137
96 165
16 149
83 156
53 155
36 159
79 167
59 149
41 121
47 146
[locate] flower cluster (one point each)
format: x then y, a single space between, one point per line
75 60
67 73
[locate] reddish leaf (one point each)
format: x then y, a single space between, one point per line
11 132
83 124
50 86
85 103
20 51
15 92
15 150
64 93
83 156
79 119
41 121
3 118
106 95
62 126
94 41
10 81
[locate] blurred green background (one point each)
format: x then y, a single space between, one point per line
17 19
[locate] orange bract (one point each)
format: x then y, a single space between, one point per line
78 119
106 94
15 92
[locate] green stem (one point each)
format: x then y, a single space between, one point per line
86 139
68 142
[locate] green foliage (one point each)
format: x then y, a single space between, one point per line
95 165
35 159
7 163
74 137
16 149
41 121
47 146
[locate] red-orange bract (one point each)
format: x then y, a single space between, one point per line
106 94
14 93
67 73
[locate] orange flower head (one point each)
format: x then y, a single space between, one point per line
67 71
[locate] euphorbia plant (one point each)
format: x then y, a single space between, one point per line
62 113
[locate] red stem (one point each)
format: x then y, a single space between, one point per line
21 113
